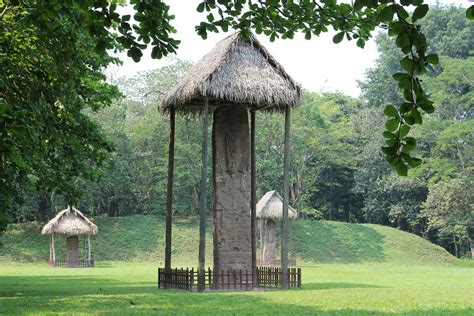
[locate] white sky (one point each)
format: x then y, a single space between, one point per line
318 64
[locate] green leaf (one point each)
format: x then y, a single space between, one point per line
420 12
407 64
408 95
391 111
408 147
156 53
392 125
428 108
410 140
416 116
470 13
401 169
392 159
19 161
409 119
404 130
389 150
338 37
404 84
432 59
388 135
135 53
200 7
386 15
413 162
402 40
360 42
405 107
401 75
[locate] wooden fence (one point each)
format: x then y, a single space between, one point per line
276 263
73 264
227 280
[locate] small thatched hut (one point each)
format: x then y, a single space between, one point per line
269 209
70 223
233 81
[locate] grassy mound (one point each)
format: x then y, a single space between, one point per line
142 238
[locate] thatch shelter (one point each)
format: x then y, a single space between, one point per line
237 72
269 210
237 78
71 223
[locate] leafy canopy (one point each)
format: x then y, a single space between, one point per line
355 21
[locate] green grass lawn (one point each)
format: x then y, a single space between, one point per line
379 288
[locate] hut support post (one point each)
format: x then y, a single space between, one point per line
54 252
169 192
51 249
89 250
262 231
253 199
284 222
203 208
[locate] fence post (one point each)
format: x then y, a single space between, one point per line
299 277
222 278
247 279
258 276
209 277
159 278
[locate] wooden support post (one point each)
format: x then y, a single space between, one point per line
54 252
169 194
286 195
51 249
262 235
253 199
89 250
203 200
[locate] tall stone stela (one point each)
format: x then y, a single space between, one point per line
231 176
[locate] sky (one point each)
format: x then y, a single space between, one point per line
318 64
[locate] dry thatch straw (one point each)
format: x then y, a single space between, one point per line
236 71
271 206
70 222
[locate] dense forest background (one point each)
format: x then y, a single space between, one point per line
337 170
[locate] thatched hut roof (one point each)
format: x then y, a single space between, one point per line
70 222
237 71
271 206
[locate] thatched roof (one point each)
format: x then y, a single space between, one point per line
236 72
271 206
70 222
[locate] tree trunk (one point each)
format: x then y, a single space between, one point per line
44 207
455 246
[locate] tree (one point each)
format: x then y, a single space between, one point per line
46 139
449 209
51 59
448 34
355 22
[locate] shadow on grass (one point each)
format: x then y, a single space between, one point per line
89 294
